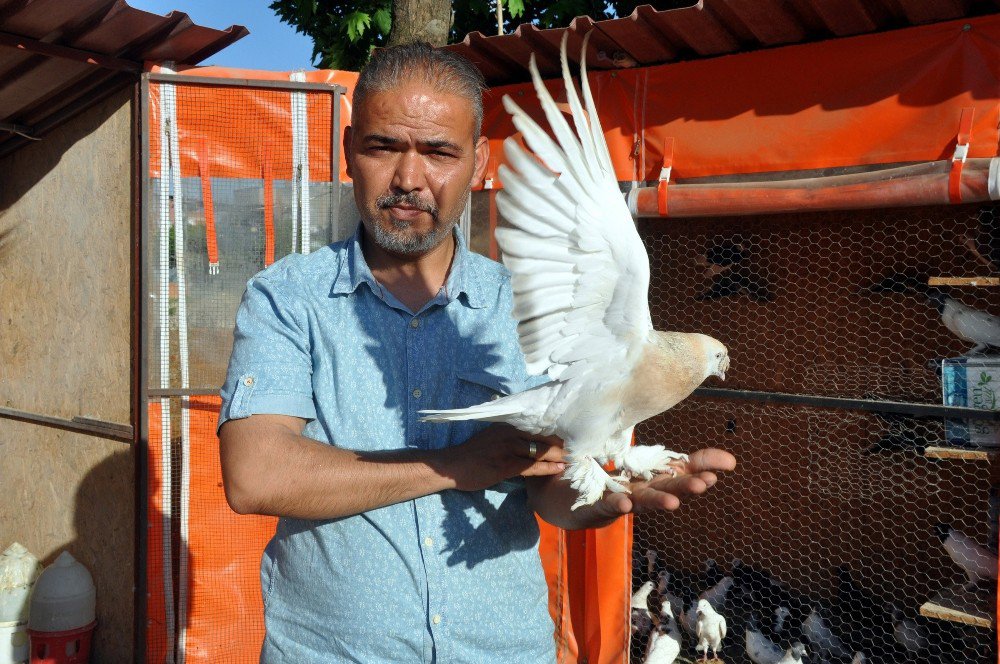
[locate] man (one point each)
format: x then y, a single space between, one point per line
399 540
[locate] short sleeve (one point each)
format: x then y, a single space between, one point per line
270 369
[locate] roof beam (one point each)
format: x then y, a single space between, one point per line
67 53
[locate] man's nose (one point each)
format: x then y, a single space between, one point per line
409 175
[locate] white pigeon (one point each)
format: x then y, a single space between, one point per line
967 323
580 278
716 596
978 563
760 649
642 619
859 658
711 629
665 641
819 634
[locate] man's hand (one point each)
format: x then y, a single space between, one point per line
500 452
664 492
551 496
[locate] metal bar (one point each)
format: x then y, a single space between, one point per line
182 392
67 53
837 403
140 413
111 430
184 79
335 165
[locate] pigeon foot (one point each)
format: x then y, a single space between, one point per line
591 481
647 460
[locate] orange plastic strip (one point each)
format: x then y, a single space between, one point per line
267 172
205 173
156 616
668 164
961 153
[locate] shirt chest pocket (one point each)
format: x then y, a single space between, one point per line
477 386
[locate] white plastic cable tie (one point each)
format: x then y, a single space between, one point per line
993 179
961 152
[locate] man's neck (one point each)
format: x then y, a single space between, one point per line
413 280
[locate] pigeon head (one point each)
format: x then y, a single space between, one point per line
798 650
716 356
937 298
704 608
943 530
666 611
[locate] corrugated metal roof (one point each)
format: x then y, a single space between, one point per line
707 29
58 57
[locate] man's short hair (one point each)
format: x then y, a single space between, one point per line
443 70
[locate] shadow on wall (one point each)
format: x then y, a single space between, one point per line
29 164
103 524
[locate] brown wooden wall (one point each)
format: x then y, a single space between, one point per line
65 277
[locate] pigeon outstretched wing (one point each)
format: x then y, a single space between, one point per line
580 270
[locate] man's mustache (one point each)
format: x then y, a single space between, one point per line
410 199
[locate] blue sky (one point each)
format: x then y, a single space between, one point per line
271 44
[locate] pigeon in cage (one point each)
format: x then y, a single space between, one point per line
732 274
978 562
580 278
665 641
712 575
967 323
819 635
715 597
761 649
795 654
908 633
642 618
665 591
710 630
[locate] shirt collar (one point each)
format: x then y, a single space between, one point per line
353 271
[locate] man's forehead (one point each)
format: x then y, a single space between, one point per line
410 111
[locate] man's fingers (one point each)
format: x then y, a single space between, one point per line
711 459
543 468
544 449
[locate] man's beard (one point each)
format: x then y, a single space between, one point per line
395 239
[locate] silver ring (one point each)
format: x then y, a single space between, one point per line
532 449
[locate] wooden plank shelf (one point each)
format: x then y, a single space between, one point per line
967 453
963 281
959 605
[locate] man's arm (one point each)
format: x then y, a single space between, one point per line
551 496
269 467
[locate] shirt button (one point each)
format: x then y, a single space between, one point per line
428 541
415 323
248 381
417 393
436 619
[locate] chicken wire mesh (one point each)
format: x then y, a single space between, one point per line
832 517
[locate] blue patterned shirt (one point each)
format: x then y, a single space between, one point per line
450 577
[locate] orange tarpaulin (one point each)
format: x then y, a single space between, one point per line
875 99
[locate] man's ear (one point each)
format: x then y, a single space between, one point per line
482 158
348 135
